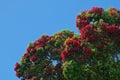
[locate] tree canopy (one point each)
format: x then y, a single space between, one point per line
91 55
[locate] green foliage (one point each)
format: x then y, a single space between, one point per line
71 70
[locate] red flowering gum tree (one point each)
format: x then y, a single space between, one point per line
94 54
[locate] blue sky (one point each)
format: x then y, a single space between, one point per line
24 21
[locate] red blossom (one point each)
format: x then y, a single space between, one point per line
38 46
96 10
32 50
74 43
64 54
88 33
25 55
16 66
28 49
33 58
18 75
113 30
81 21
88 52
113 11
43 40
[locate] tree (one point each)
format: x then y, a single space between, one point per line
91 55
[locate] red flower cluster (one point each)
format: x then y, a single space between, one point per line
113 11
88 33
88 52
64 54
16 66
96 10
113 30
18 75
38 43
85 23
72 45
81 21
26 55
32 48
15 69
33 58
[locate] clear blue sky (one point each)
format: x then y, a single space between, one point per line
23 21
